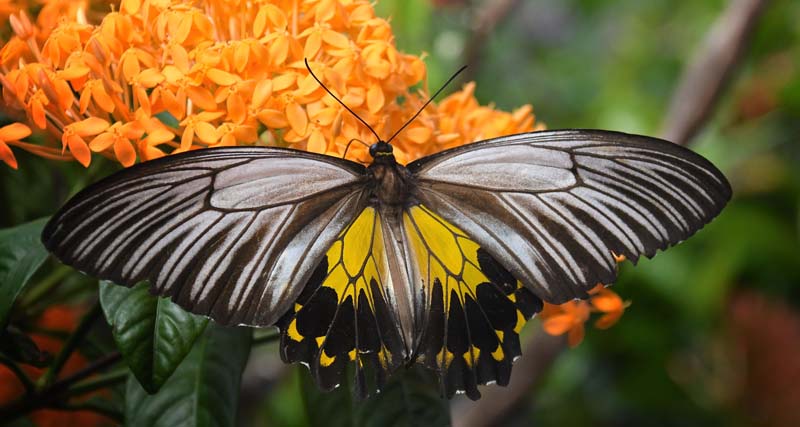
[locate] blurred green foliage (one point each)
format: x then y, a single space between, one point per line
674 358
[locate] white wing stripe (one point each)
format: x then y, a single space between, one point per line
553 246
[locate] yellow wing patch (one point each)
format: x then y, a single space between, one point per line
342 314
474 308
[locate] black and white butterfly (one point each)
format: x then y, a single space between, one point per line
440 262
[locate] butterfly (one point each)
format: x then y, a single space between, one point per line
440 262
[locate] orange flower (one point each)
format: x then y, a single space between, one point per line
609 303
569 318
224 72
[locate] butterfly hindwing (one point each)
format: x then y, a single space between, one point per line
473 309
344 314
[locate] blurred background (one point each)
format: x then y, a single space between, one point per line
712 335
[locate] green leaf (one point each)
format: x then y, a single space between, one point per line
21 254
153 334
205 388
409 399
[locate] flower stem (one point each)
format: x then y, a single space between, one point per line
30 387
98 382
46 285
70 345
105 410
54 395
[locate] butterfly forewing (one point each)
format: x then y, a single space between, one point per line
556 207
231 233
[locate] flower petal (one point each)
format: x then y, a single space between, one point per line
79 149
608 320
375 99
206 132
237 110
317 142
576 335
558 324
272 119
125 153
261 93
296 115
201 97
102 142
222 78
418 134
607 301
91 126
14 132
7 155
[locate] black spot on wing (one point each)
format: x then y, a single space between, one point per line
459 375
314 282
341 338
483 337
339 341
369 340
500 311
495 272
432 340
388 328
316 316
527 303
457 340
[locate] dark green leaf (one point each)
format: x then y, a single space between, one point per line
153 334
411 398
21 254
205 388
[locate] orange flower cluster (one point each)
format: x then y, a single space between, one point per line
159 77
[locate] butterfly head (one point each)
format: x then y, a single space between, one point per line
381 151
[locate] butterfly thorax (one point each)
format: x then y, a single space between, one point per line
391 183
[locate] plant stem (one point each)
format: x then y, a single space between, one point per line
93 407
96 366
30 387
53 395
70 345
99 382
46 285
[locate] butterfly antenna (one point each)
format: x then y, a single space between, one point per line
378 138
428 102
347 147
